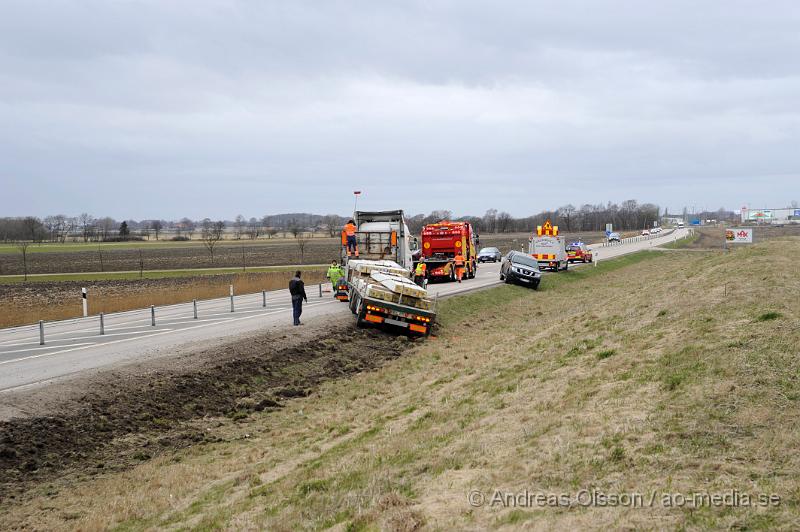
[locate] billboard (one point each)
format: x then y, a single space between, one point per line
759 214
739 235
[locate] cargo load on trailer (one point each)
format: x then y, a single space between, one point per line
381 292
548 248
380 235
444 244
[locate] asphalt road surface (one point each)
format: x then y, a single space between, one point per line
76 346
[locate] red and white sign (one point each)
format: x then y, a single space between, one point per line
739 235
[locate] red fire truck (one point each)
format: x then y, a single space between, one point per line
441 242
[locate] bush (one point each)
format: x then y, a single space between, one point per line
122 239
180 238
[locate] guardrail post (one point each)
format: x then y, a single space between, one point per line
102 325
41 332
320 289
264 298
153 315
85 302
231 298
194 307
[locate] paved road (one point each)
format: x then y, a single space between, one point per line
76 346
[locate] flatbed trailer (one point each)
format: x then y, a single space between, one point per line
373 303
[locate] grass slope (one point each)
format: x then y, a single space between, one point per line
659 374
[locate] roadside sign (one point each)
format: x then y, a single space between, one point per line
739 235
609 228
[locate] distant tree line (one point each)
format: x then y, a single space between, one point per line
628 215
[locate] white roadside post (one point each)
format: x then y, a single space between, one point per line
320 289
153 315
231 298
194 307
102 325
85 302
264 298
41 332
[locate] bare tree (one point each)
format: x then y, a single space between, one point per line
211 234
302 238
85 221
271 231
238 226
503 222
22 246
156 226
490 221
566 213
253 228
332 224
295 229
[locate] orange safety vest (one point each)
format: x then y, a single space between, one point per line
350 230
459 261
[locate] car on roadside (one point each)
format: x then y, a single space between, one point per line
521 268
490 255
655 231
578 251
645 232
614 237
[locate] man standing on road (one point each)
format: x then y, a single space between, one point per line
298 291
459 263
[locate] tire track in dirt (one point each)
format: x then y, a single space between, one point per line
124 419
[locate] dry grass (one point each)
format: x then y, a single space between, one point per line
115 296
662 380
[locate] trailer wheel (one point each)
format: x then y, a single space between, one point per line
361 314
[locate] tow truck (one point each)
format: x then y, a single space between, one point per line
578 251
441 242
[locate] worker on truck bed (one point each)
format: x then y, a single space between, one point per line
419 274
459 261
335 273
350 236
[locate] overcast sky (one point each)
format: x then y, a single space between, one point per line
214 108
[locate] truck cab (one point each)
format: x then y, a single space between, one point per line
441 243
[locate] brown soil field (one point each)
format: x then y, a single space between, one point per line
268 253
127 418
30 302
317 251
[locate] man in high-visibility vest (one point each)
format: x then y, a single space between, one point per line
335 273
350 236
459 264
419 274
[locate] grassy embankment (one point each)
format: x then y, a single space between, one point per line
658 373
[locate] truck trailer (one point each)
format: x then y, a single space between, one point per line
441 242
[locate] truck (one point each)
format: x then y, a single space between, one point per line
441 242
548 248
377 283
382 293
382 235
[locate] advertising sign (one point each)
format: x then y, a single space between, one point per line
739 235
754 215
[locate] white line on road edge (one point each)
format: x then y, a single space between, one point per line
103 344
41 348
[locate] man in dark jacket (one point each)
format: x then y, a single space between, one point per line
298 291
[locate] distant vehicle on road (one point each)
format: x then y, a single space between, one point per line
490 255
645 232
578 251
614 237
680 225
655 230
519 267
548 248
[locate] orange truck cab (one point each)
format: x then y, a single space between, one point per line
444 241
